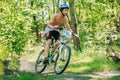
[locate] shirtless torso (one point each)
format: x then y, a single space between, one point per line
57 20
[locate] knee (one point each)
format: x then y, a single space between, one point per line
48 42
57 42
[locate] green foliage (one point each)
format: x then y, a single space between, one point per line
1 68
118 1
96 20
14 27
23 76
3 52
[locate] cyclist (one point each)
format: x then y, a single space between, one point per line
51 29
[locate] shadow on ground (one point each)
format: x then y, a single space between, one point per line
65 76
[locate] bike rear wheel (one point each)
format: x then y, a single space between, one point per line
39 66
62 59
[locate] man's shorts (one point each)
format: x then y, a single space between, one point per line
53 35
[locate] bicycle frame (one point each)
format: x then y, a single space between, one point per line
60 45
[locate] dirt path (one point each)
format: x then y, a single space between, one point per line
28 64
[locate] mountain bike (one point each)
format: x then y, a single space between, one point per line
61 57
114 48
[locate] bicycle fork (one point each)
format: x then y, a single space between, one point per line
62 52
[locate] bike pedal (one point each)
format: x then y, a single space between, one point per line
46 61
52 61
62 59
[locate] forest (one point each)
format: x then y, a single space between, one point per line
95 54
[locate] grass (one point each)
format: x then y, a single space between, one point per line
86 62
1 67
30 76
92 62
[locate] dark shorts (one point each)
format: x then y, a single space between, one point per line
53 35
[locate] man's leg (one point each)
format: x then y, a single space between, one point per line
56 36
47 47
46 51
55 46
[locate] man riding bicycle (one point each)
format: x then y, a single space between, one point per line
51 29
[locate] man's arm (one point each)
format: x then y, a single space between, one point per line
68 27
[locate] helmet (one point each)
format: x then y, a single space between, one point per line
64 6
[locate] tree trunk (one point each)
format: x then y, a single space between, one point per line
113 55
57 5
36 28
74 24
53 6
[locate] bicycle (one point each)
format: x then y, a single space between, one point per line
61 57
114 48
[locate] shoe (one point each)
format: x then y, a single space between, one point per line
52 61
46 61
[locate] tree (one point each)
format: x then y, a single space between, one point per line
74 23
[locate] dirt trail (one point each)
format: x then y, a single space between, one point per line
28 64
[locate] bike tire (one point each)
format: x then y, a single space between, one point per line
39 66
57 65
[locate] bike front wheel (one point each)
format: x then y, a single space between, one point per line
62 59
39 66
